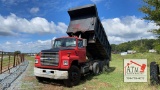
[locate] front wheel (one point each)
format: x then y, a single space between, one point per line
73 77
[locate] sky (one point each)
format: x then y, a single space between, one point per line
30 25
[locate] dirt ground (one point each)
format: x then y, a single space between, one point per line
29 82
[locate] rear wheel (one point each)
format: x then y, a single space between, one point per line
107 64
95 68
73 77
154 71
102 66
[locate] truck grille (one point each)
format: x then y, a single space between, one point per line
50 58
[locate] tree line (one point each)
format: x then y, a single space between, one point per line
143 45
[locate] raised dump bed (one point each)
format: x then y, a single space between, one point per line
86 23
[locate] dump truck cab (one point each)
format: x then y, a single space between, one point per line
73 48
65 52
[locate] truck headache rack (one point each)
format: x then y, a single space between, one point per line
84 21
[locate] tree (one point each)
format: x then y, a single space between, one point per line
135 48
142 49
152 10
17 52
157 46
113 47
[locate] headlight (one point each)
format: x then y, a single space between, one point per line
36 61
65 62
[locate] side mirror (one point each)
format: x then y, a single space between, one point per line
52 42
84 42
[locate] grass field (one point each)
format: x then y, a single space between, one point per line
111 80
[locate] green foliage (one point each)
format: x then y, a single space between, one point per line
137 45
135 48
17 52
157 48
152 10
142 49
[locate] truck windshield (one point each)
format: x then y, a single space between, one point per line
64 42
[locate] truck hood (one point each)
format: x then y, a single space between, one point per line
58 49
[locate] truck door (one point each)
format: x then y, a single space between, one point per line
81 51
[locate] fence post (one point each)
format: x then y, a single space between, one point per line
22 57
1 62
9 63
14 60
18 59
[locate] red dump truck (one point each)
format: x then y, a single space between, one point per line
85 50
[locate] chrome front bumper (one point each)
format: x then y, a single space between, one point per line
50 73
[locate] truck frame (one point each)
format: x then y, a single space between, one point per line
85 50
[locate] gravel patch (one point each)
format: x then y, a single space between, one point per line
16 85
28 81
7 79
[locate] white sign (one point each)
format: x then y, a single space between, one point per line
135 70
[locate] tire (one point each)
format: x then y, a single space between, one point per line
96 68
154 71
73 77
101 66
107 63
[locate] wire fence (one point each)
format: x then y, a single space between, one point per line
10 60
